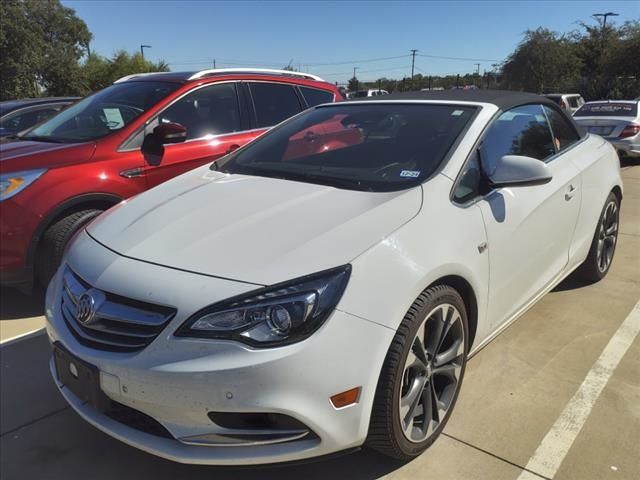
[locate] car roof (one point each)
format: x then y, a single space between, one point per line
503 99
9 105
192 76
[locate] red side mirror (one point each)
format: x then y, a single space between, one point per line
170 133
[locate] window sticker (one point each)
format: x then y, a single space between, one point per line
410 173
114 118
457 113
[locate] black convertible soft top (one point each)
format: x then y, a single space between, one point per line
503 99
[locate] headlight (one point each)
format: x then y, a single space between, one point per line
13 183
272 316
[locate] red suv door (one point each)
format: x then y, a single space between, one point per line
216 121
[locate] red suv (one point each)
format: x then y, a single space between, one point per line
125 139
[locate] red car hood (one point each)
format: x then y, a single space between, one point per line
27 155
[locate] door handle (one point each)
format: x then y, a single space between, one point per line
571 191
132 173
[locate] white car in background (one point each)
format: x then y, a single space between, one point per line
569 102
322 288
618 121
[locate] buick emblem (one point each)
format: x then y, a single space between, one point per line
88 303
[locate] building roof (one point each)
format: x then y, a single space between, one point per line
503 99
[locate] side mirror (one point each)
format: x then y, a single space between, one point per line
164 134
170 133
519 171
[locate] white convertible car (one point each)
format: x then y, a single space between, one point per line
322 288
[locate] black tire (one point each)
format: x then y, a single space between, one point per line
590 271
54 241
385 430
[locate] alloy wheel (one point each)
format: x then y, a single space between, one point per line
431 374
607 236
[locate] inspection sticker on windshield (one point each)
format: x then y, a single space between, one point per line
410 173
114 118
457 113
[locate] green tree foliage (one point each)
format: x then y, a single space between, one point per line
544 61
599 62
353 84
99 72
41 43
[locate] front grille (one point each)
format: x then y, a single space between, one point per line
134 419
107 321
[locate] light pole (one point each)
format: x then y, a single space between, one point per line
604 17
142 47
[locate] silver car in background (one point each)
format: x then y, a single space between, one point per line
618 121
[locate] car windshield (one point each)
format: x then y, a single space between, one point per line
105 112
374 147
609 109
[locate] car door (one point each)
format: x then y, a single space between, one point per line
215 126
529 228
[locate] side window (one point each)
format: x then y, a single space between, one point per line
563 132
520 131
314 96
470 183
211 110
274 103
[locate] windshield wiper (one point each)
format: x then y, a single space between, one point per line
338 182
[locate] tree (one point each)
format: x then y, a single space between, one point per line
353 84
610 60
99 72
41 43
542 62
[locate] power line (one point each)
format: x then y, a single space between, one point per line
466 59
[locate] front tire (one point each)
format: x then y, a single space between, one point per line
604 242
421 375
55 240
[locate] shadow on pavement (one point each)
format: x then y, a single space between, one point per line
41 437
15 305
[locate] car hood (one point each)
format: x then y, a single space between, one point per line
27 155
252 229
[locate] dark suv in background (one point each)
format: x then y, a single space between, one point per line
125 139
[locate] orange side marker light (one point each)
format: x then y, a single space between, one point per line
347 398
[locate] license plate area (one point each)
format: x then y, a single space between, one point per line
600 130
80 377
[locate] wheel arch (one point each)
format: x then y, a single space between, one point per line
100 201
617 191
464 288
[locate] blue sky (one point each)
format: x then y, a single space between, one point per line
330 38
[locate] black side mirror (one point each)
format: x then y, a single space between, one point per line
164 134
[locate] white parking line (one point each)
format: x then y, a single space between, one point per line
556 444
11 340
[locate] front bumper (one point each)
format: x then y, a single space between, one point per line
18 226
179 381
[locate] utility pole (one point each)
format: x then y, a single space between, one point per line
214 63
354 71
142 47
413 62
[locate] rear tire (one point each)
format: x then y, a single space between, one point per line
604 242
404 422
55 240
